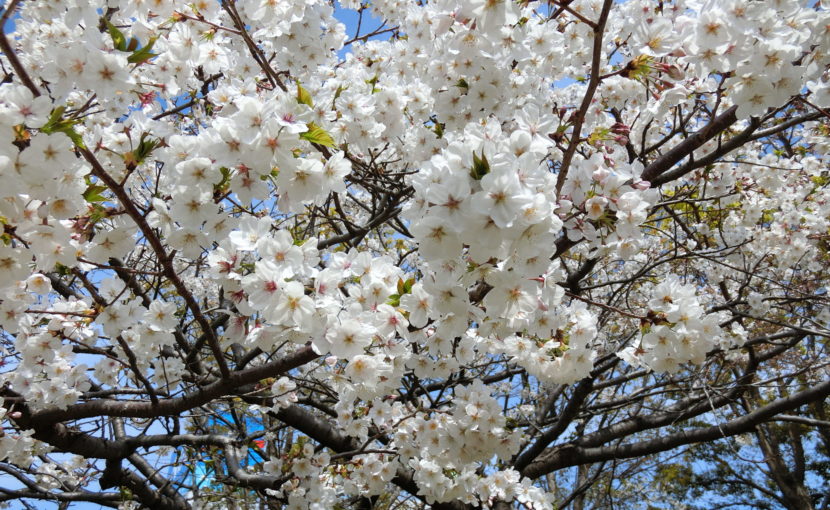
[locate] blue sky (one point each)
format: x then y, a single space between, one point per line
349 18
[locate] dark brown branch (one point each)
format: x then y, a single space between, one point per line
572 455
172 407
323 432
690 144
725 148
109 499
580 393
8 51
163 257
593 83
256 52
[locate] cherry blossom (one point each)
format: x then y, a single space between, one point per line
433 258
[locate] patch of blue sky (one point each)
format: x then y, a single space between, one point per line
359 24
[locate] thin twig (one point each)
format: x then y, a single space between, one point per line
593 83
8 51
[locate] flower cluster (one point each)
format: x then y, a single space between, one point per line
194 193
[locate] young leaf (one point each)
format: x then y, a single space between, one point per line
405 287
145 147
137 156
57 124
93 193
73 135
438 128
481 166
54 117
226 179
118 39
394 300
373 82
303 97
143 54
318 135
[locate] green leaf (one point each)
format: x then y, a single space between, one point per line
438 128
373 82
599 135
145 147
54 117
405 287
394 300
118 39
226 179
462 84
303 97
120 42
481 166
73 135
144 54
93 193
318 135
57 124
820 180
98 213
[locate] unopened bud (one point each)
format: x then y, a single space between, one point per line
600 174
674 72
620 129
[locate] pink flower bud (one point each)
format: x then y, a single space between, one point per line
620 129
600 174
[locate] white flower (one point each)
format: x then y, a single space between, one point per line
349 338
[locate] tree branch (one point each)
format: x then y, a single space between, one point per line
572 455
